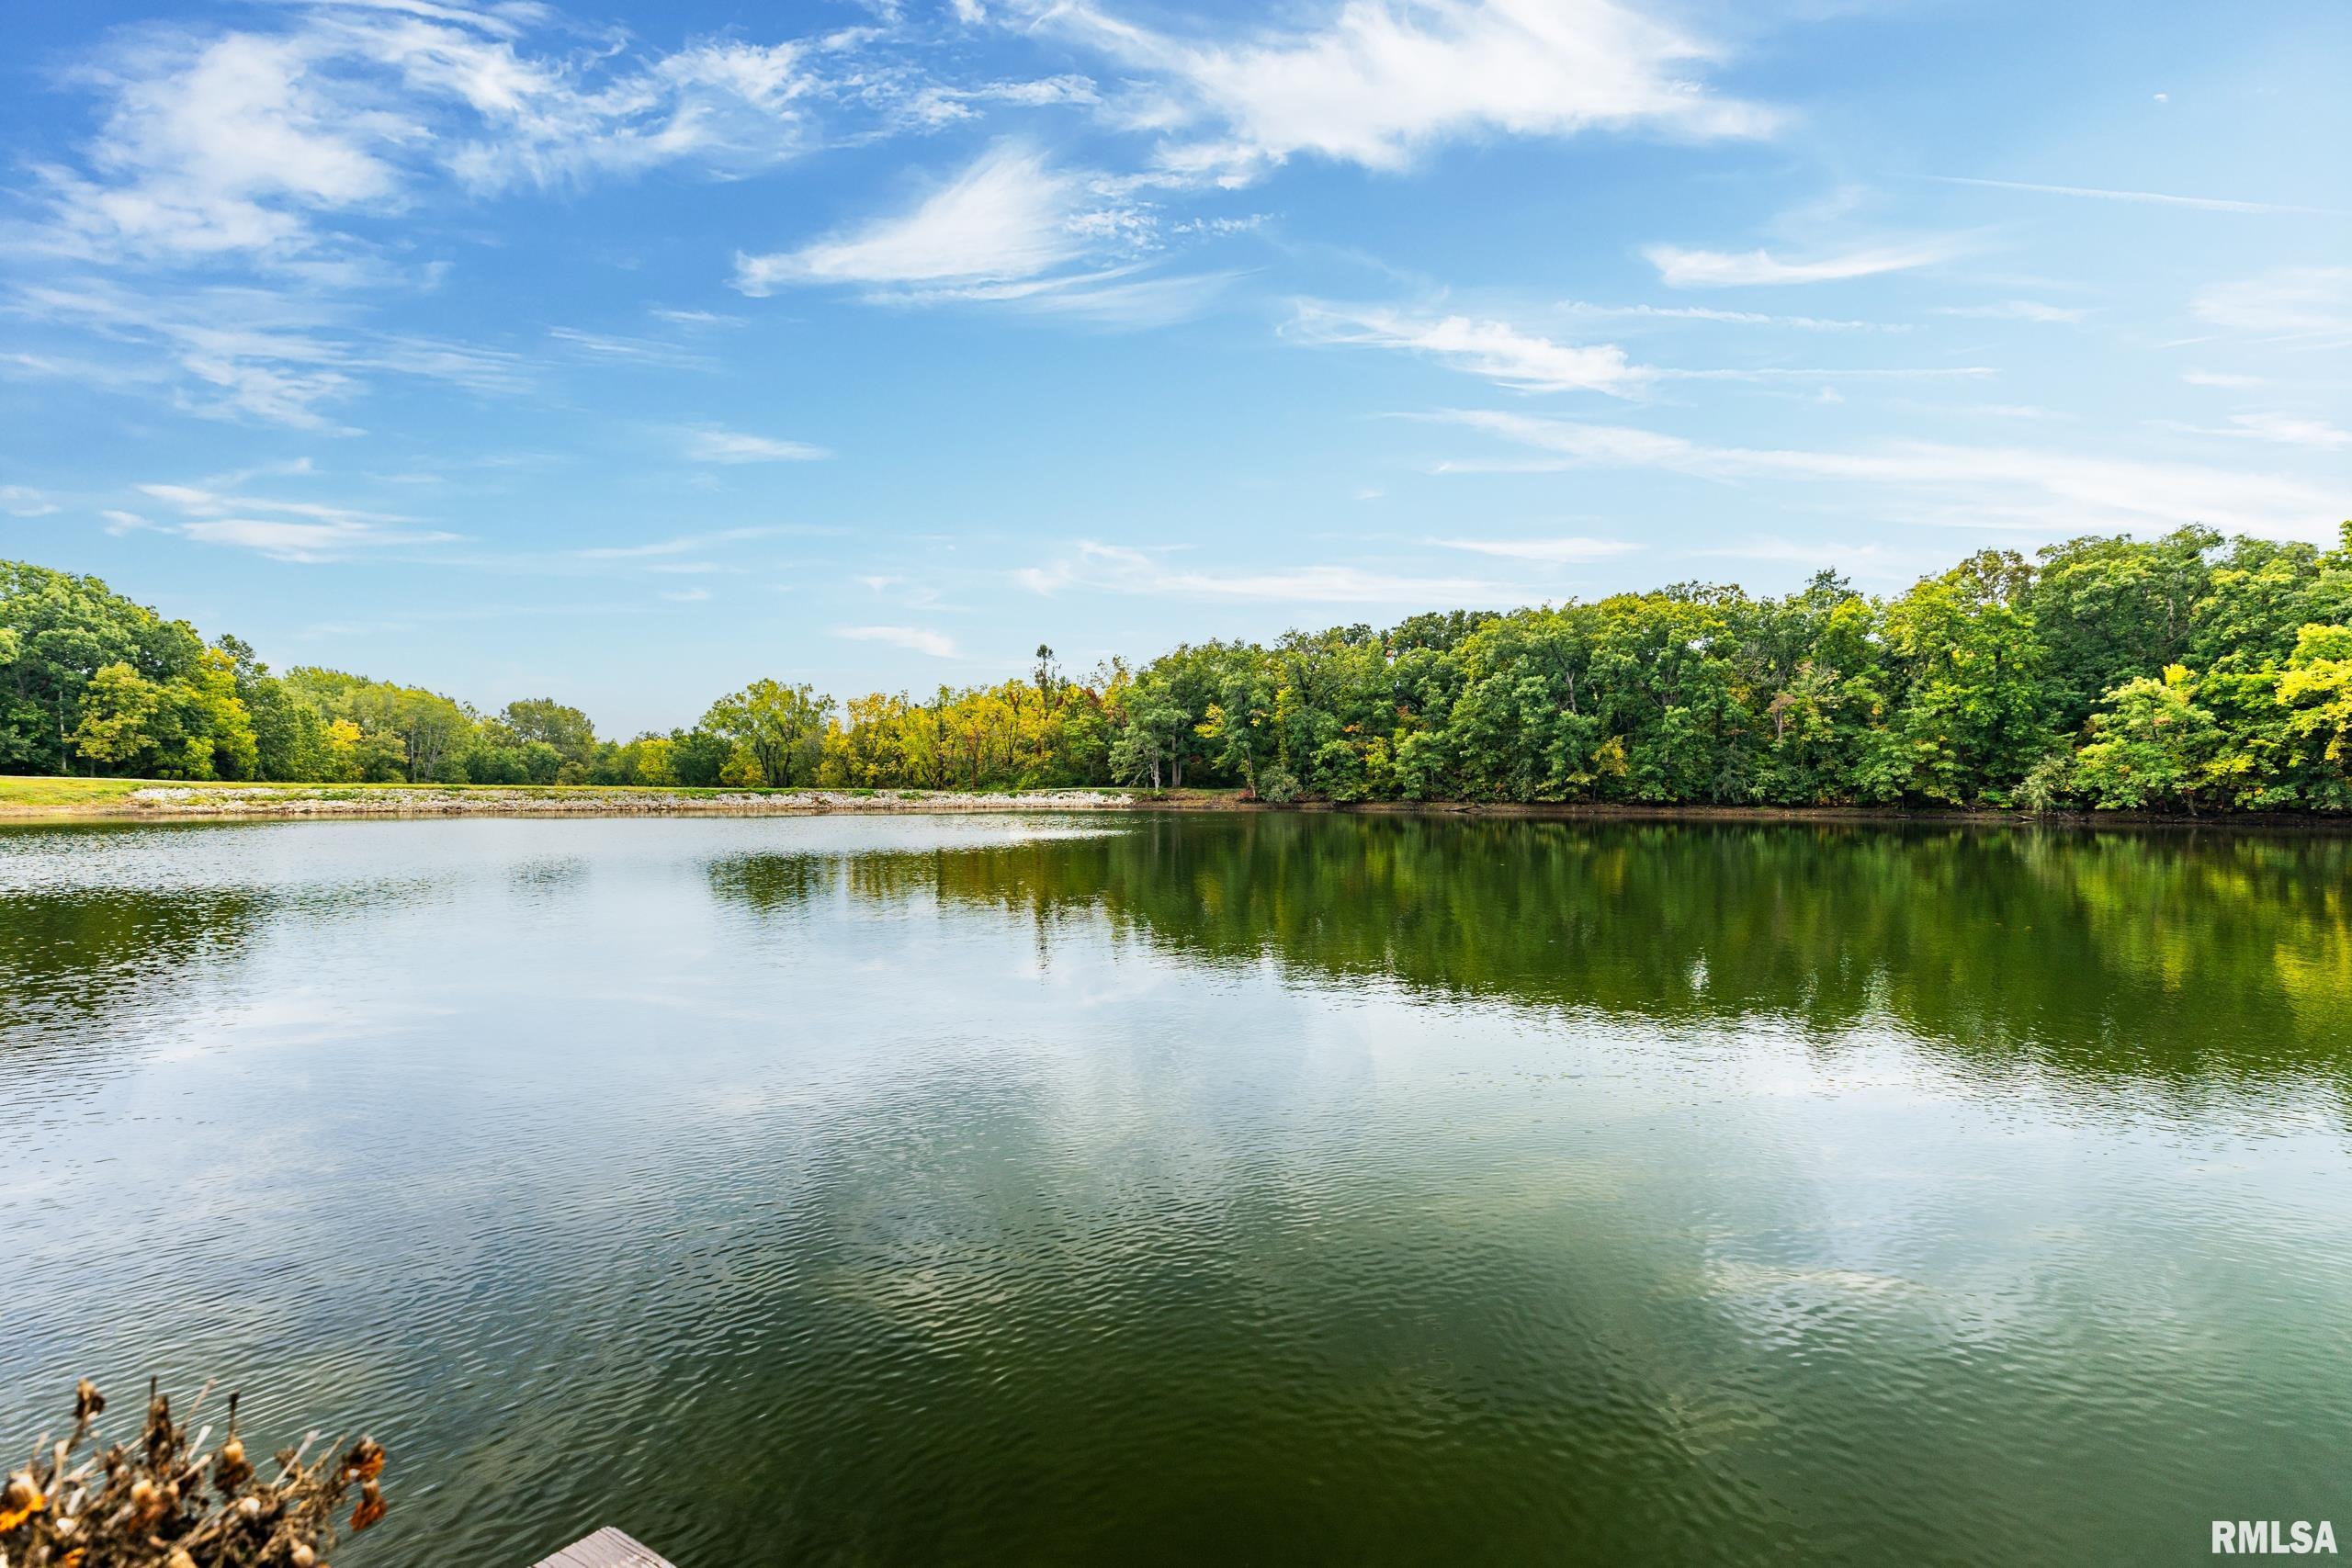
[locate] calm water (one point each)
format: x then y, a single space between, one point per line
1204 1189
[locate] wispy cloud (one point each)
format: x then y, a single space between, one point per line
1011 228
1992 486
607 349
1828 373
1512 356
1115 569
2148 198
2279 429
1116 297
914 638
291 541
23 501
290 530
1734 318
683 543
714 446
2218 379
260 354
1550 552
1495 350
941 104
2307 304
1679 267
677 317
260 142
2015 311
1009 215
1386 79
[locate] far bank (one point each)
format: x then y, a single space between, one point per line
45 798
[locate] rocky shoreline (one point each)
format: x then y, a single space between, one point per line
426 801
168 802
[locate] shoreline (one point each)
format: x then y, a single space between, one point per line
136 800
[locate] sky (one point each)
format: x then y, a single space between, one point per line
626 353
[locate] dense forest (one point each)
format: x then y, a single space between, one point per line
2184 674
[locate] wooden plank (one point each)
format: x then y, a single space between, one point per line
608 1548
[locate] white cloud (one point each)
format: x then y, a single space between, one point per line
22 500
942 105
1011 229
1550 552
914 638
1992 486
218 145
259 353
712 446
1119 297
693 318
299 530
1495 350
2311 304
282 540
1384 79
2281 429
1818 372
2011 411
1118 569
609 349
1009 215
2148 198
727 106
687 595
200 501
1681 268
684 544
2218 379
1738 318
256 143
1512 357
2015 310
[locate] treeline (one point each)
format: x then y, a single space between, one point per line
2181 674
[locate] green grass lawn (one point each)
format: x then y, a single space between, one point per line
47 790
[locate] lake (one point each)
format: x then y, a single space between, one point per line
1203 1189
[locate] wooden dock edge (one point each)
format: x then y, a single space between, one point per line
608 1548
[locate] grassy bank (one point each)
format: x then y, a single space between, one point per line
52 796
47 797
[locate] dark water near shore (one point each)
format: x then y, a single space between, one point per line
1204 1189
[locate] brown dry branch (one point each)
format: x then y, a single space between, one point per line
165 1502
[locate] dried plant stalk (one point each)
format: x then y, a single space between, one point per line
165 1502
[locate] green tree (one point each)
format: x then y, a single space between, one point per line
564 731
1972 718
2316 690
2151 745
2107 610
1149 740
118 705
779 728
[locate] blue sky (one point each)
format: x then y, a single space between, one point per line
624 353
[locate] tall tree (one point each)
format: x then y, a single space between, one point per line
780 728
